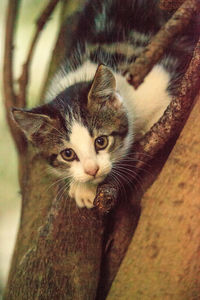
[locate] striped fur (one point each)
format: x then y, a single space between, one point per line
89 100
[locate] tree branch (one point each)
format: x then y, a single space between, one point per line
23 80
11 98
169 126
156 48
8 54
8 80
170 5
64 40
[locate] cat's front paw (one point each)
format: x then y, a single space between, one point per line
84 194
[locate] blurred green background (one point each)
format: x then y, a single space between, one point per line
10 199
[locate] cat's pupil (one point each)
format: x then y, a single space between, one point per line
101 141
68 153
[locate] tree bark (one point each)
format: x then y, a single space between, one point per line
170 5
58 250
162 261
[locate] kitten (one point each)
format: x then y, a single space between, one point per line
93 115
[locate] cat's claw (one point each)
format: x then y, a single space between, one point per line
83 193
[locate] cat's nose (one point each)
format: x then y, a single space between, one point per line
91 168
92 171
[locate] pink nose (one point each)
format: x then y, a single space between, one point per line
91 170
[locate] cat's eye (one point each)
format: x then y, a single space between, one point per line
101 142
68 154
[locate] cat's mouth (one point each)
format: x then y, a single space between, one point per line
98 179
94 181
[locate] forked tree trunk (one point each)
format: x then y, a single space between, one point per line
59 247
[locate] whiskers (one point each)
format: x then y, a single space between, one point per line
136 157
63 181
129 174
63 186
116 181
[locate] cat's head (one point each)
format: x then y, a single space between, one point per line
83 131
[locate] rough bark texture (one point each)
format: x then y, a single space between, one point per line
162 261
58 250
119 231
170 5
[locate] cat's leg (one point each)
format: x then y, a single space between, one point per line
83 193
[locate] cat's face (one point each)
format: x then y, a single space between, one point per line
83 132
86 156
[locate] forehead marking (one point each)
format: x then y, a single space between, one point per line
81 141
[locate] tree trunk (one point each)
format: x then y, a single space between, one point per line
58 250
163 259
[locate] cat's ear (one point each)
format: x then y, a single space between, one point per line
29 122
103 86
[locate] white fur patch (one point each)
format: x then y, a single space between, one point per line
63 80
151 99
83 193
146 104
83 186
83 145
82 141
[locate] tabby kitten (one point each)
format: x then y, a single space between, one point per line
92 115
